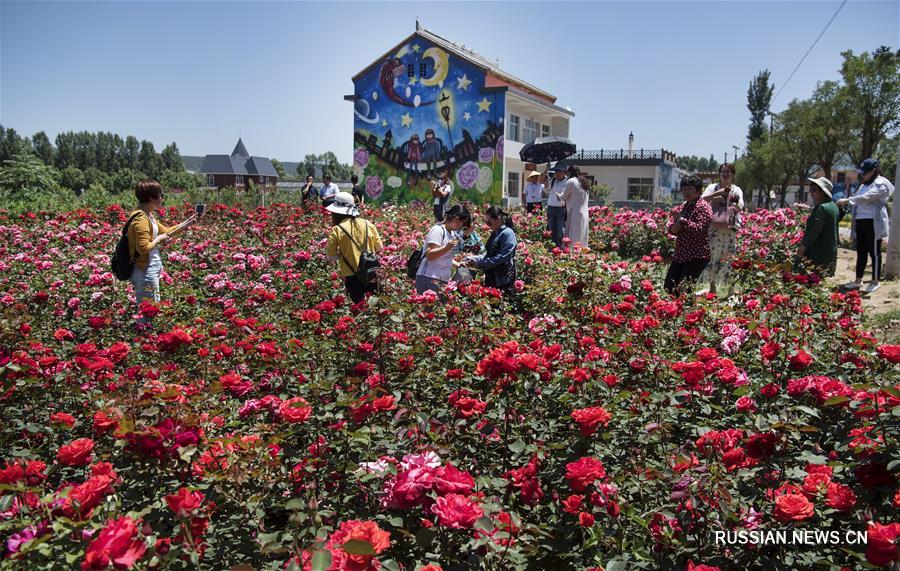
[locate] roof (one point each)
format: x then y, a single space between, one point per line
238 162
490 67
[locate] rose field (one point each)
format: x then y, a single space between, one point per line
267 423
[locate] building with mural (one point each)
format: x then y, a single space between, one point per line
427 105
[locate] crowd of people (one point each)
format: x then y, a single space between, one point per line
705 229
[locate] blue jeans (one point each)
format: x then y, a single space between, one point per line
146 283
425 283
556 223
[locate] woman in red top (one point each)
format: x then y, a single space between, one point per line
690 226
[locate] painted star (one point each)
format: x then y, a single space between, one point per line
413 81
484 105
467 116
384 123
462 83
415 48
406 120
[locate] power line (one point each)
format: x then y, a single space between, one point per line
819 37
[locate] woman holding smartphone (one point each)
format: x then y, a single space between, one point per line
145 234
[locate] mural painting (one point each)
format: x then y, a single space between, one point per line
421 110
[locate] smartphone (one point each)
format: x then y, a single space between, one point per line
201 208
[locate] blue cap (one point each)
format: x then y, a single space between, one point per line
867 165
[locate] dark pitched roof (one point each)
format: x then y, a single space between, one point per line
239 162
240 149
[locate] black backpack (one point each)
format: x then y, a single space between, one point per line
121 263
415 259
368 261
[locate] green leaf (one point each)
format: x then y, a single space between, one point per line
321 560
836 400
518 446
295 504
424 537
358 547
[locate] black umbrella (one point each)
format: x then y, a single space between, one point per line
547 150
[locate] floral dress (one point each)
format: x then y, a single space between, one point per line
722 237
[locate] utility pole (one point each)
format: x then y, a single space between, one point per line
892 260
735 152
726 158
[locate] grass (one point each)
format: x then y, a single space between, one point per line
886 325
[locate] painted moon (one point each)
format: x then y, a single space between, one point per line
361 110
441 66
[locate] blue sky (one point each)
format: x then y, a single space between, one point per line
201 73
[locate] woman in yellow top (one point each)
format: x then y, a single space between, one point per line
345 243
145 234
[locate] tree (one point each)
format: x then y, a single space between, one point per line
73 178
171 158
148 160
11 144
309 166
825 125
43 148
96 178
279 168
180 179
25 175
126 179
65 150
131 151
759 97
872 83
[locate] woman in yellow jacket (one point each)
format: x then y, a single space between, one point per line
145 234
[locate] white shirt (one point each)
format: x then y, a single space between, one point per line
442 267
154 253
448 188
560 187
534 192
328 191
871 198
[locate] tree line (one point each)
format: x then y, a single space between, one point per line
80 160
841 124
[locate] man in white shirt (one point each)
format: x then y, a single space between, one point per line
441 192
556 208
328 190
869 221
534 193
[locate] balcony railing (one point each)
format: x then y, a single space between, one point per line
624 155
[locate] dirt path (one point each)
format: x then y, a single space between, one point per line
880 309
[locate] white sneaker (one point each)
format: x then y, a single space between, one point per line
851 286
872 287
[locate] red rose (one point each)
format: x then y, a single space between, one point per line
584 472
76 453
456 511
840 497
814 484
793 507
184 502
104 423
11 474
881 539
295 409
769 391
800 361
116 545
745 404
572 504
586 519
890 353
770 350
589 419
701 567
449 479
62 418
431 567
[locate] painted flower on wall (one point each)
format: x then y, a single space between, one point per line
499 149
394 182
485 178
361 158
485 155
374 187
467 175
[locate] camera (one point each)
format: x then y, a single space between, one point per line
200 208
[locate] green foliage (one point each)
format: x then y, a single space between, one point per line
73 178
126 179
326 163
43 148
11 144
279 168
759 97
693 163
872 83
180 179
26 176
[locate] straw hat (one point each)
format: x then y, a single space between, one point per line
823 183
344 203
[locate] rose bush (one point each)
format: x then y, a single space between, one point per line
267 421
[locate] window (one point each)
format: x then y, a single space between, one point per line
512 185
239 180
513 132
211 180
545 130
265 181
423 69
410 70
529 131
640 188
